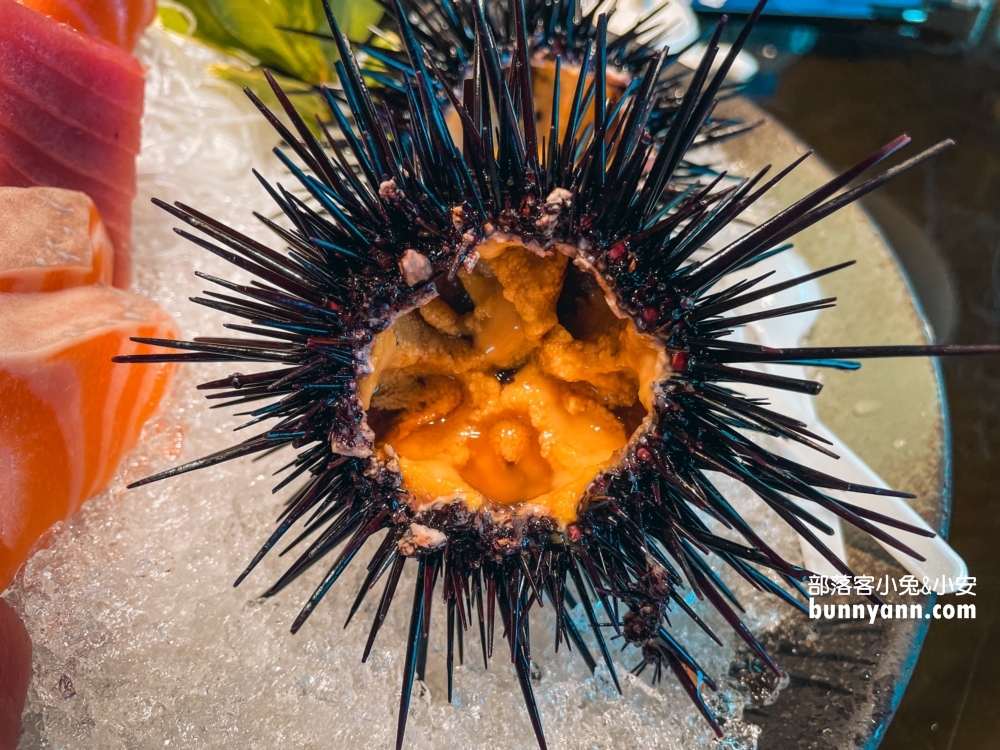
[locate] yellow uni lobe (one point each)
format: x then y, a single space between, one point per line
515 387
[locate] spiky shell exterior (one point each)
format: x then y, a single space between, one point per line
447 32
389 186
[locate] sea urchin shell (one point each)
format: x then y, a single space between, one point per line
500 264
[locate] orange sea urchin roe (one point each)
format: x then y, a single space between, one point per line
519 397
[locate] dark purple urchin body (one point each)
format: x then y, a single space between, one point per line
392 186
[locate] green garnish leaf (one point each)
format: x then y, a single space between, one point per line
266 30
307 100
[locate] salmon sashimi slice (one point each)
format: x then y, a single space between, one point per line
51 239
15 666
45 145
69 414
120 22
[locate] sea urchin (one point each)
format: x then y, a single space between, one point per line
502 351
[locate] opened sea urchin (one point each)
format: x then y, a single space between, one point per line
502 355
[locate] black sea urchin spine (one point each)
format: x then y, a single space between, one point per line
446 33
603 193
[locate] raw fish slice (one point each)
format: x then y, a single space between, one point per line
120 22
24 165
51 90
70 415
51 239
31 166
90 62
15 666
76 148
39 147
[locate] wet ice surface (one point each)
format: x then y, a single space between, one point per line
140 639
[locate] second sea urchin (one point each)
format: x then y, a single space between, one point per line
500 353
553 31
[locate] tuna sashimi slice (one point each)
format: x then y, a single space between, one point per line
28 165
45 145
74 147
51 239
89 61
15 666
51 90
70 415
22 164
120 22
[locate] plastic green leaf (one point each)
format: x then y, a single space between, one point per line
260 28
257 24
175 16
307 101
354 16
